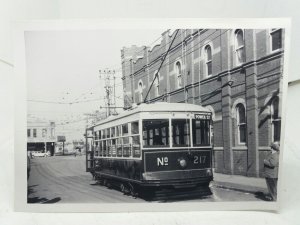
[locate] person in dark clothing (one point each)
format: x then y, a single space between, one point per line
271 164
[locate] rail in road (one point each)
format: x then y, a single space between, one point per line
62 179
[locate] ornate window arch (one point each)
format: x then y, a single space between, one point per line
140 90
178 69
156 83
239 46
208 60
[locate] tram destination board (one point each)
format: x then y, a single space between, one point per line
177 160
202 116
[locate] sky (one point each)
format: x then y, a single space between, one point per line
63 67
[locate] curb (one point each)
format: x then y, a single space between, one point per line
239 187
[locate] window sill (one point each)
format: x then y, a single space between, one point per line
240 147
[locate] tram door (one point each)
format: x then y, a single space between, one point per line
89 150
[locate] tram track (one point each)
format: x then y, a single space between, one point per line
77 184
73 184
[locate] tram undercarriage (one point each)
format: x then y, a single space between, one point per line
156 190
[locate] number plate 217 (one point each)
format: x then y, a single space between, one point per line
199 159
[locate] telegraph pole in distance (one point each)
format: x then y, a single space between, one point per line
106 76
115 112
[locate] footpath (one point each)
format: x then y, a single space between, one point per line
240 183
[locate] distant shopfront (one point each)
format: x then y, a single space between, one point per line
40 135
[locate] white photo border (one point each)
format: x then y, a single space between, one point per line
20 123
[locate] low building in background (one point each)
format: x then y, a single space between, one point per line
40 135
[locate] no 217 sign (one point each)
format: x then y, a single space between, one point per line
164 161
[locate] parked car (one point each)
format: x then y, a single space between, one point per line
40 154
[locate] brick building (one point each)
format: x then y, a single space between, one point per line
40 135
236 73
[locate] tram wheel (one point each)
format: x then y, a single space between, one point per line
132 190
124 189
104 182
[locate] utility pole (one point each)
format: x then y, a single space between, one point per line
107 75
115 112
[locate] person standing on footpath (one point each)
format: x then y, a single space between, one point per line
271 164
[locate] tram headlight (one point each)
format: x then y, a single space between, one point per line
208 172
182 163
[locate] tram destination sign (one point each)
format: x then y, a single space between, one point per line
202 116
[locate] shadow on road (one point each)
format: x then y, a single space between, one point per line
42 200
30 190
260 195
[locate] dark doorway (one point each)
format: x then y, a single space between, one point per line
50 148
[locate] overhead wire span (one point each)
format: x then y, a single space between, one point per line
187 52
63 103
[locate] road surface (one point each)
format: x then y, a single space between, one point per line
62 179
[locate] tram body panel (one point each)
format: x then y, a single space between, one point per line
177 166
182 155
119 168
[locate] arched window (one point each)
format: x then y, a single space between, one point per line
241 123
239 46
208 60
140 91
156 84
179 74
275 119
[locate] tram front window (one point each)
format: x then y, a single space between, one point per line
155 133
201 136
181 132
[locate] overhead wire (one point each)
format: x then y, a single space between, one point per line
193 49
187 52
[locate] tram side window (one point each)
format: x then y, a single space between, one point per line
113 148
96 149
126 147
104 149
135 127
119 147
201 132
108 147
113 132
99 134
103 134
100 148
107 133
136 148
125 129
118 131
156 133
181 132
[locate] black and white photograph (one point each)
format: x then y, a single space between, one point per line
154 115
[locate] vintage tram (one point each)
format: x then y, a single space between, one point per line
162 145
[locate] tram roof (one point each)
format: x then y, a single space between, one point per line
156 107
